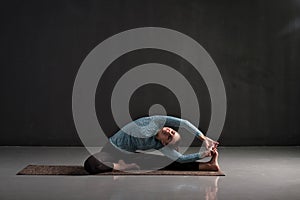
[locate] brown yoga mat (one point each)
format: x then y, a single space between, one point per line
79 170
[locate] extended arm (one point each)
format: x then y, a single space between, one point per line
177 122
176 156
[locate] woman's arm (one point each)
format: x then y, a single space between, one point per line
177 122
176 156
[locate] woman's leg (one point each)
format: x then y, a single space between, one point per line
107 160
176 166
98 163
147 161
212 165
155 162
102 161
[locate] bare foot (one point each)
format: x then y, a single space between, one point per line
212 165
122 166
214 160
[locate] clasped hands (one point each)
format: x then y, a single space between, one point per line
210 146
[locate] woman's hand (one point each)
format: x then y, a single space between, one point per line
210 144
209 153
206 153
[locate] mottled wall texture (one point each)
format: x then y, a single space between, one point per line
255 45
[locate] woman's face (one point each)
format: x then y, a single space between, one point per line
167 136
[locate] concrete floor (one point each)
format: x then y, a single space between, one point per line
251 173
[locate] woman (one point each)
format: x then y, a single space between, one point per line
146 133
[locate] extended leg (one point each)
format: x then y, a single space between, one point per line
212 165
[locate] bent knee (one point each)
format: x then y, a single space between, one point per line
94 166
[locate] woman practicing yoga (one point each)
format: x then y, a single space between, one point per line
152 133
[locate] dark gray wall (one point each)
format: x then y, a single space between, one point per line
255 45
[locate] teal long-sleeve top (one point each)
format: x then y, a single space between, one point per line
140 135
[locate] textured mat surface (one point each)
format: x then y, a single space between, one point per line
79 170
